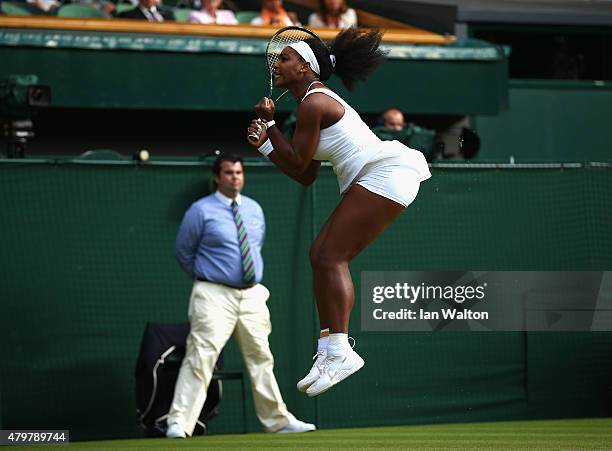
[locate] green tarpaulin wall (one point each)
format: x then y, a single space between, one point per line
87 259
96 69
550 120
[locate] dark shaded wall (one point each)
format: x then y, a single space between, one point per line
550 121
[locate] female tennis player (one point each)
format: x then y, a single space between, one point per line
378 179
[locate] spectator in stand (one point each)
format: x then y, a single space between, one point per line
395 128
333 14
148 10
210 13
48 6
273 13
393 119
103 5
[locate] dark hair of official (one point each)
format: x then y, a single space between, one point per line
357 53
216 168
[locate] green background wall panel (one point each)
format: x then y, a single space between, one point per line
129 79
429 87
87 258
191 81
550 121
408 378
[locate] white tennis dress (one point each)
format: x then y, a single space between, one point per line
387 168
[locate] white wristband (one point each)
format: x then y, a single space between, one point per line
269 124
266 148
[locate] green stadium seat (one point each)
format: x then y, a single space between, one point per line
120 7
81 11
246 16
181 14
413 136
20 9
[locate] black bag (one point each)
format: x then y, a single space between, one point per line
161 352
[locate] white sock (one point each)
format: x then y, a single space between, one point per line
323 340
338 344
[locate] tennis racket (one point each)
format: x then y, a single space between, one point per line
281 39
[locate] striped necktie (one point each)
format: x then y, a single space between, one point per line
248 268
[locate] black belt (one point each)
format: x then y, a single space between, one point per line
200 279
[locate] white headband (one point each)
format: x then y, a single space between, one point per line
306 52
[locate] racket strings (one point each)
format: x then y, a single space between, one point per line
276 46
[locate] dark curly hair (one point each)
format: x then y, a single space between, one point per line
357 53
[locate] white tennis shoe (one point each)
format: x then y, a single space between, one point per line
175 431
314 372
335 369
296 426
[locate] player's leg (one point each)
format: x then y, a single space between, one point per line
314 252
323 337
358 220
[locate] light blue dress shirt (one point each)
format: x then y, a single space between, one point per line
207 242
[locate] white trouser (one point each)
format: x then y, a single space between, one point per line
215 312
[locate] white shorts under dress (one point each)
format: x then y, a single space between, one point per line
392 179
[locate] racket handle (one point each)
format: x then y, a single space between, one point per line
255 136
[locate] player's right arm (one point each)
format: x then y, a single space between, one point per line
294 158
